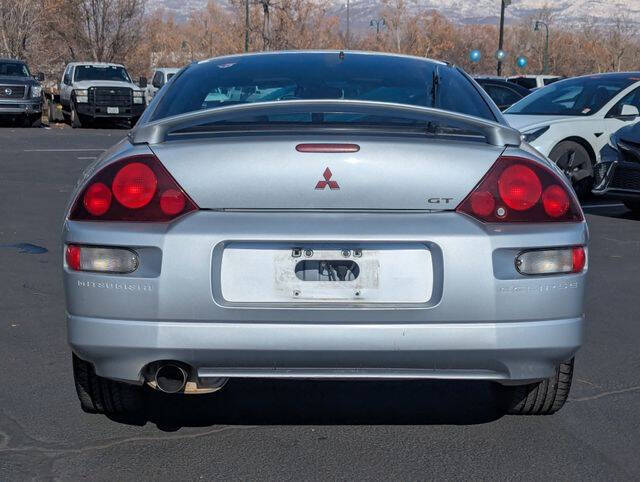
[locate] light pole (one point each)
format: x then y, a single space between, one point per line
504 4
536 28
378 23
246 25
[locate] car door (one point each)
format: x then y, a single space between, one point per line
614 120
65 86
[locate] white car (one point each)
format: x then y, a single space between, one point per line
572 120
161 76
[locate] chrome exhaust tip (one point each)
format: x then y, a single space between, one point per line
171 378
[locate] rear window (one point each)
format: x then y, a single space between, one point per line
326 76
527 83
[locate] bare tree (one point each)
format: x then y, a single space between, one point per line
18 26
618 41
395 13
103 30
266 5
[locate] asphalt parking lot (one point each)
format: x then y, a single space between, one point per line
293 430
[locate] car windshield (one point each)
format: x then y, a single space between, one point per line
101 72
14 69
323 76
574 97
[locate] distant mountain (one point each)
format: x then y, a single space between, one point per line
460 11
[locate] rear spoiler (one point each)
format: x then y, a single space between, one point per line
156 132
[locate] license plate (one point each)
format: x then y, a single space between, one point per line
369 273
113 110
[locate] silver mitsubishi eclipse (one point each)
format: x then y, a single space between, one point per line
322 215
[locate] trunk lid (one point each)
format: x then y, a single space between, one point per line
267 172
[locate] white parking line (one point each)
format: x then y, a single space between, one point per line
86 158
63 150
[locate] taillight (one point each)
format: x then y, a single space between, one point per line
520 190
135 185
138 188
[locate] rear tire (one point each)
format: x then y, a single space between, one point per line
101 395
577 165
634 206
545 397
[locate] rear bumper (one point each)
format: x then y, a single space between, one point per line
484 320
504 352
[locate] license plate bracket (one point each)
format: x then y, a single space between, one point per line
253 272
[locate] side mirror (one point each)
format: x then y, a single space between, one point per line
158 83
143 82
40 77
630 111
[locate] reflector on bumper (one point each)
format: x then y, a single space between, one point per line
105 260
551 261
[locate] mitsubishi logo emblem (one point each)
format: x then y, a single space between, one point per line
8 91
333 185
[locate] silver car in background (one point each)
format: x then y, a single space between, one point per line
322 215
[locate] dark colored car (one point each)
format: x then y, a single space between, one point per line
503 93
20 93
618 172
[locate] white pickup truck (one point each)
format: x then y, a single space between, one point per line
93 90
161 76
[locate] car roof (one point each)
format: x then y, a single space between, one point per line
107 64
324 52
15 61
635 76
167 69
535 76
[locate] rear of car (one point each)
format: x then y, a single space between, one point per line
20 93
314 215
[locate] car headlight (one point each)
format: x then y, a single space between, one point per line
531 136
138 97
82 96
613 141
36 91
